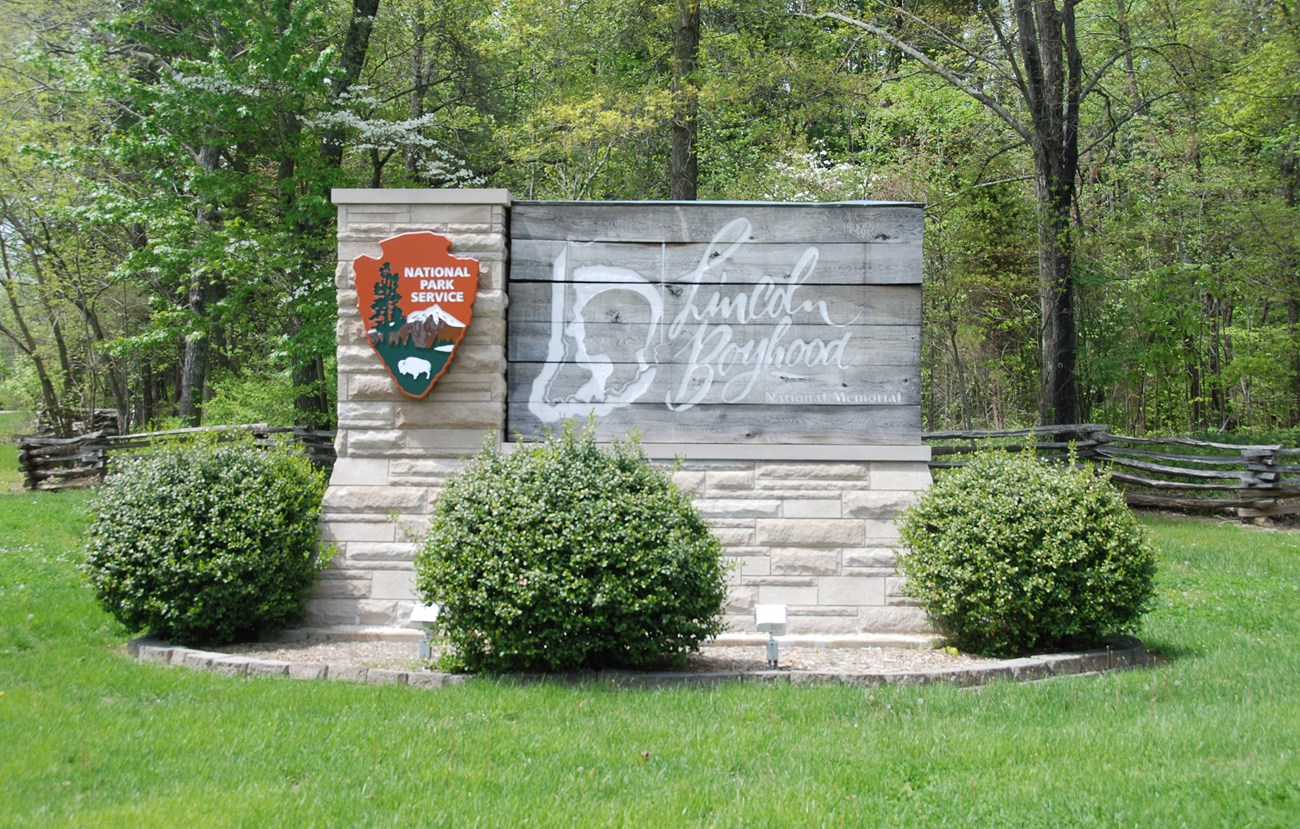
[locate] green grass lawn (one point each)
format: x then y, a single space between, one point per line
12 424
1209 738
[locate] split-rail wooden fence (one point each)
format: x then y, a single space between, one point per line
62 463
1258 481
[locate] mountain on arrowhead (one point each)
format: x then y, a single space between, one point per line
423 329
435 313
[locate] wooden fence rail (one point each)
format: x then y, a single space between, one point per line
62 463
1257 481
1167 473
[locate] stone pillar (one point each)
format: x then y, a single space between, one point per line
394 452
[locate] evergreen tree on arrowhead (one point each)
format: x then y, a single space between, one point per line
385 310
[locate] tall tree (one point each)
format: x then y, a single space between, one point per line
1031 47
1259 104
20 267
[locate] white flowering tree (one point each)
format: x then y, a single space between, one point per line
372 131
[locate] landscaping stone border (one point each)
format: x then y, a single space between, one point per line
1127 652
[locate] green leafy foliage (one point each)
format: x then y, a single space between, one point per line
165 170
207 543
566 555
1009 555
267 398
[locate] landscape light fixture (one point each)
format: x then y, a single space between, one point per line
770 619
425 616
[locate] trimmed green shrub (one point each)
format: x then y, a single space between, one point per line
562 555
207 543
1010 555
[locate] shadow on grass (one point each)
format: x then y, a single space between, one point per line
1163 651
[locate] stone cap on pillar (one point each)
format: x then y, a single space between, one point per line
415 195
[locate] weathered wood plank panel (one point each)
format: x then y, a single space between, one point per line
781 262
1183 471
1136 480
1036 432
786 348
44 461
681 222
877 425
1081 447
551 387
1181 480
1150 499
1269 511
1245 450
708 323
616 302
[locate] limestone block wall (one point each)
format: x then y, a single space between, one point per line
810 527
817 537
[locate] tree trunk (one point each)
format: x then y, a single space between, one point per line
1053 73
683 179
966 419
312 401
351 61
194 363
199 300
116 386
52 317
54 415
1290 170
1293 332
1219 314
24 339
1195 414
1130 71
419 87
1059 401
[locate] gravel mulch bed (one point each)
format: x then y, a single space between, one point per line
403 656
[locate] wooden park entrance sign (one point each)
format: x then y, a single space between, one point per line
774 348
717 323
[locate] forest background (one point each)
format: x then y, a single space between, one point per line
1111 186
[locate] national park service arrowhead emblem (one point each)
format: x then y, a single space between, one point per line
416 301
